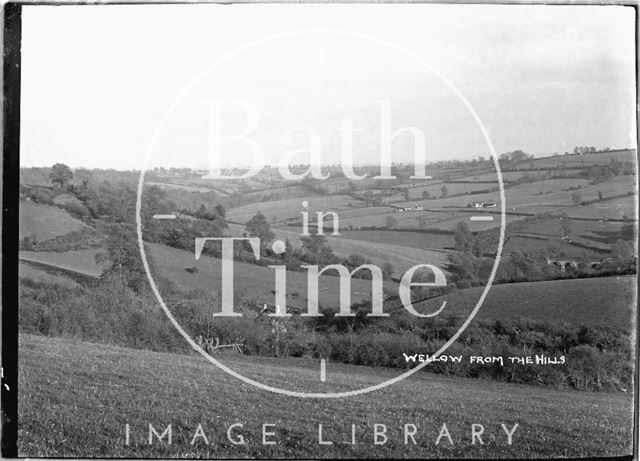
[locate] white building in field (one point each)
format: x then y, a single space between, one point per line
481 205
410 208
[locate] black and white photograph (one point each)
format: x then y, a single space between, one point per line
319 230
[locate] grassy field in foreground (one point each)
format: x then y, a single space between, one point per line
75 399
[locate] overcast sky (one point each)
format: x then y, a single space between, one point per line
97 81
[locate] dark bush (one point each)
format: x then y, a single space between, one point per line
77 209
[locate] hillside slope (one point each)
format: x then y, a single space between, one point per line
81 262
600 301
76 397
401 257
45 221
255 283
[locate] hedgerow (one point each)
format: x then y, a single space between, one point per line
112 311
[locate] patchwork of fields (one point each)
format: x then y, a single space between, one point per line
584 160
401 239
394 250
73 391
555 192
580 198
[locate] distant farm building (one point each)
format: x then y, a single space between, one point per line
410 208
481 205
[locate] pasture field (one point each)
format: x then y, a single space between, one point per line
615 186
533 197
510 176
435 190
547 195
45 221
548 185
334 186
444 219
492 176
76 397
407 220
552 227
434 187
590 242
401 256
254 283
594 245
376 218
230 184
361 212
282 210
585 160
285 191
197 184
372 184
81 262
604 232
460 201
406 239
552 246
185 187
616 208
514 195
598 301
599 235
474 226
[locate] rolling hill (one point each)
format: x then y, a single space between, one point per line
600 301
45 221
254 283
394 250
282 210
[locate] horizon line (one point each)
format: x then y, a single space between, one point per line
327 165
